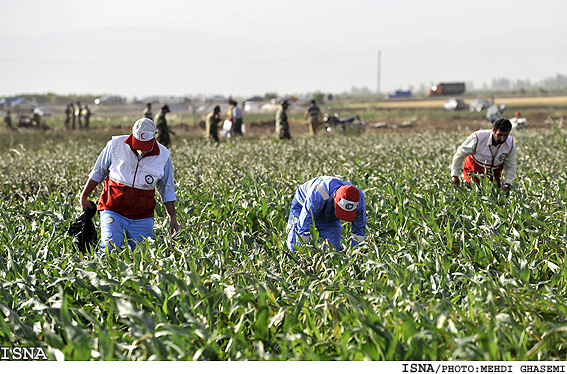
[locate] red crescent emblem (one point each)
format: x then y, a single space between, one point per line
143 136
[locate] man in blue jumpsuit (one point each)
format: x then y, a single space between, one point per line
324 202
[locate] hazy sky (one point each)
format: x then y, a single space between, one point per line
180 47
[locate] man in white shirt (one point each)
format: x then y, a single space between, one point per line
487 152
235 116
133 167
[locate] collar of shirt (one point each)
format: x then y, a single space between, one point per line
330 205
489 141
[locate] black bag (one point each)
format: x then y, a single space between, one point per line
83 229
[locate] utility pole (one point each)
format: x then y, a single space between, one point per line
378 76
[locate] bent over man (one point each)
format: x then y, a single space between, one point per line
324 202
487 152
134 166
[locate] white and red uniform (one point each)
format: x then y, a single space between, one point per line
481 157
131 181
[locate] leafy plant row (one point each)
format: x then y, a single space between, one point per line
445 275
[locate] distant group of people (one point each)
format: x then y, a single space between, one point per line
282 126
233 115
77 115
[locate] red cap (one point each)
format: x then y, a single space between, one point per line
346 198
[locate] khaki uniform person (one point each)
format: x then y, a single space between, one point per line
211 124
314 113
282 125
163 130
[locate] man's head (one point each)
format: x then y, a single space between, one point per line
143 133
148 105
285 103
216 109
346 201
165 109
500 130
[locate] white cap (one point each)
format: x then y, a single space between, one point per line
143 133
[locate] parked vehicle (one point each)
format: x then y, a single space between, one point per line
25 122
519 122
346 124
494 112
478 105
439 89
454 104
42 111
23 105
110 100
400 94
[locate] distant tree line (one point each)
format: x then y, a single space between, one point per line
551 85
55 99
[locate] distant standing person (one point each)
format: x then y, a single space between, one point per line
211 124
68 117
78 114
163 130
282 125
148 111
235 116
487 153
73 116
314 113
36 118
87 112
8 121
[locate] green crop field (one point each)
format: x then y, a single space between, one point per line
445 274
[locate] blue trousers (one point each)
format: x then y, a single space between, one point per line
330 231
115 227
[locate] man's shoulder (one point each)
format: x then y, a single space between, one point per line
163 151
482 132
118 138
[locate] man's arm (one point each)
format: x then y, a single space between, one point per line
312 206
172 215
466 148
510 167
166 188
97 175
358 229
89 187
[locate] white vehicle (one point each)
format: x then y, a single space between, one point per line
42 111
479 104
519 122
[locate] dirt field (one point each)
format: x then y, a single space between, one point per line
381 116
